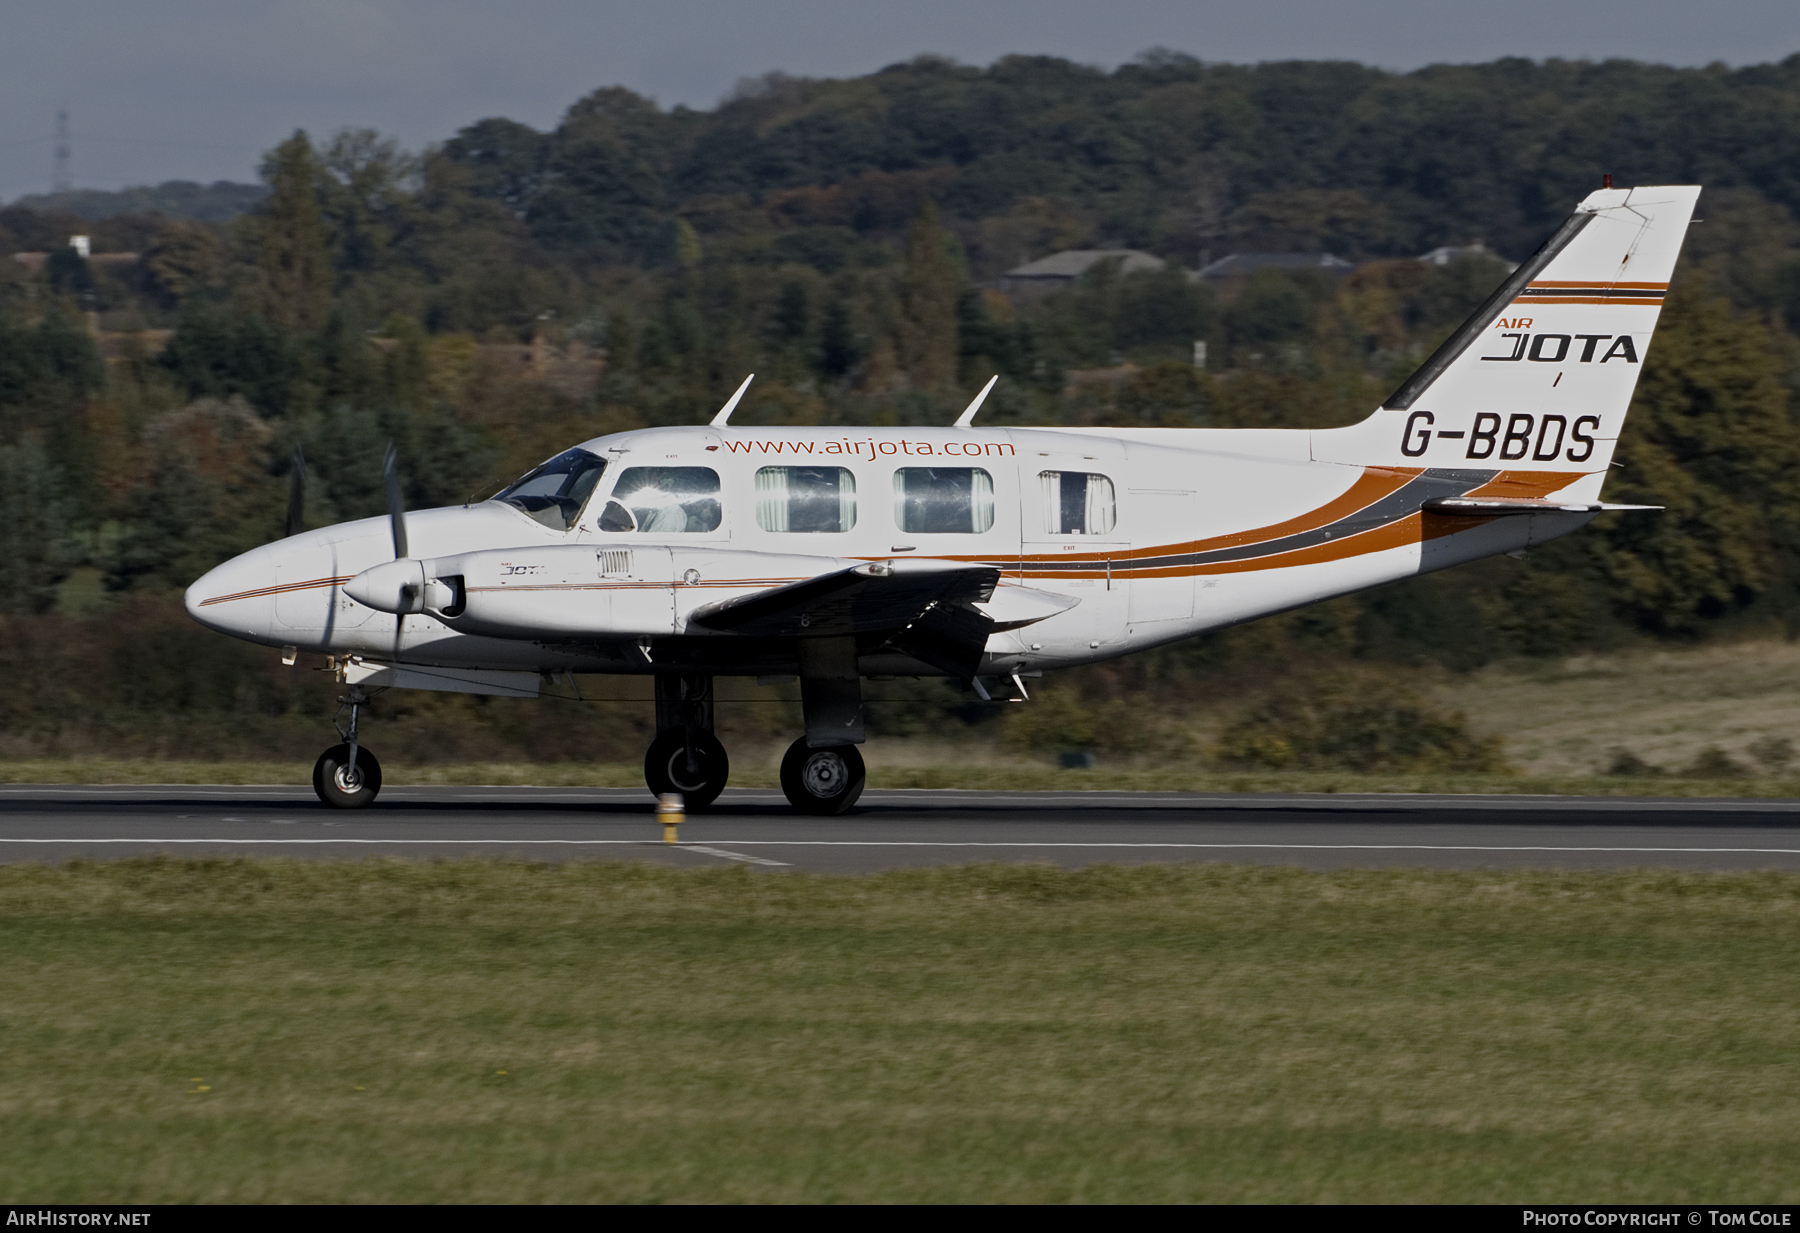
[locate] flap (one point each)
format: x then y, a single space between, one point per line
1013 606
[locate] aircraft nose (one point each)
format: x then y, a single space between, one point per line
236 598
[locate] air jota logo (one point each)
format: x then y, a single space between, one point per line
1543 438
1556 348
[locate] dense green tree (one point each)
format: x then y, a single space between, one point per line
216 354
47 368
185 260
926 336
294 272
37 511
1711 437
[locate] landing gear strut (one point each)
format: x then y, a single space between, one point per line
686 757
347 776
822 772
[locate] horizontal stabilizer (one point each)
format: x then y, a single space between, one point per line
1492 507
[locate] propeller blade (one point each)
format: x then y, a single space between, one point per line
390 468
296 518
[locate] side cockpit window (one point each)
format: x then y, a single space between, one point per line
664 500
554 493
1076 503
805 499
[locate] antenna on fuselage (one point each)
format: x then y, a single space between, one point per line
967 418
724 415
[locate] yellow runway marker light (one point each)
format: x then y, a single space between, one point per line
669 811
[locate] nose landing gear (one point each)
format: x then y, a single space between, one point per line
348 776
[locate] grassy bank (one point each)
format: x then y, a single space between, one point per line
1023 777
269 1031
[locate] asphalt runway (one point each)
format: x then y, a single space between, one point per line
895 828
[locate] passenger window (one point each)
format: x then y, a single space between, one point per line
953 500
1076 503
805 499
660 500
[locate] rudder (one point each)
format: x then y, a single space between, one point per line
1540 377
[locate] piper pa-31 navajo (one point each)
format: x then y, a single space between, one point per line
979 554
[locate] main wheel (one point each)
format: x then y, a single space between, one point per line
666 767
823 781
338 785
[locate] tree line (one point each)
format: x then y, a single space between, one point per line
489 300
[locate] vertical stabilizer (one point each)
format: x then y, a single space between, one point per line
1540 377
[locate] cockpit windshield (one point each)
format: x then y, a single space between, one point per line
555 492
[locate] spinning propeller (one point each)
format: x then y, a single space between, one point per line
398 586
296 518
390 477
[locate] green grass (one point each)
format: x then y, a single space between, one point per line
1026 776
219 1030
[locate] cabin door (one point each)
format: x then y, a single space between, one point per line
1069 543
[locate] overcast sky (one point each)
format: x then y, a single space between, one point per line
195 89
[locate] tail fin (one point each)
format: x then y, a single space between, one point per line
1538 380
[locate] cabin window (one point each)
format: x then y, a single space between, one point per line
663 500
555 492
947 500
1076 503
805 499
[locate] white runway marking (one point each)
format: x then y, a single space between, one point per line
921 843
730 856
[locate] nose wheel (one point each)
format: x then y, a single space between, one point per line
343 783
823 781
348 776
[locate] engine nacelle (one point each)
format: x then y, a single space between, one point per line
577 591
403 587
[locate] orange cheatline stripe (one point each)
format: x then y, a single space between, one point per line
1372 485
724 583
1525 484
261 592
1412 529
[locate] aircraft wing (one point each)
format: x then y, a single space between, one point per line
1493 507
862 599
930 610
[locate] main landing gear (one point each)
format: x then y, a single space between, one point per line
686 757
347 776
822 772
822 781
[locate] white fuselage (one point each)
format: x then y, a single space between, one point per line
1190 530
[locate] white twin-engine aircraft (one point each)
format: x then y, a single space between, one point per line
683 554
